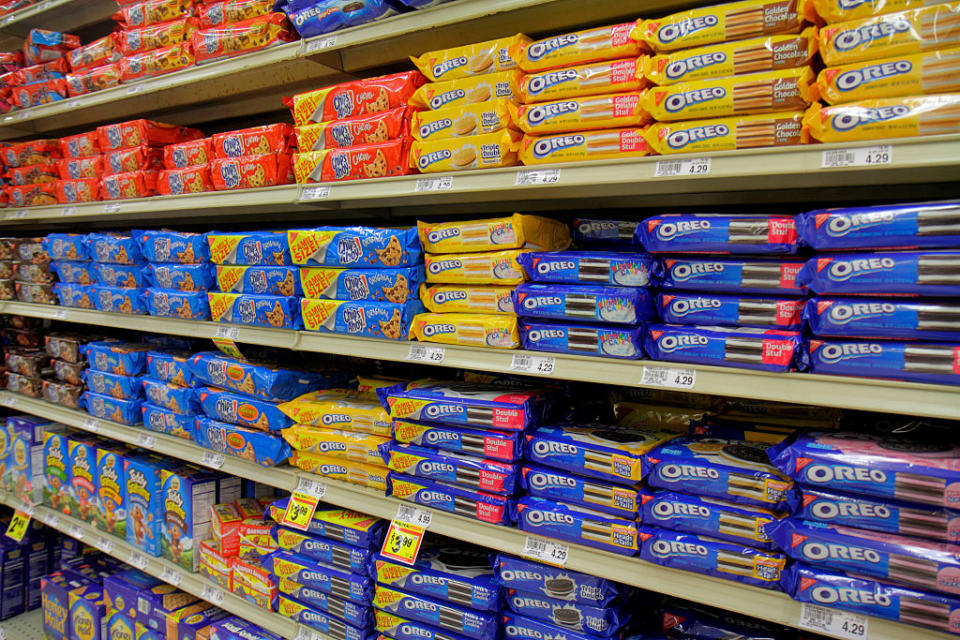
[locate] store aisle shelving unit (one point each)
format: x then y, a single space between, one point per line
56 15
761 603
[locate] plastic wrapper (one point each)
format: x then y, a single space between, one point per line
250 172
476 505
255 446
65 395
119 275
169 303
344 525
27 363
355 98
96 79
348 586
32 387
553 582
241 409
372 476
592 45
273 138
36 195
170 366
784 128
281 312
903 75
586 303
179 400
358 130
82 145
33 273
469 405
610 76
580 525
731 275
98 53
73 191
465 471
580 617
325 551
241 37
164 421
910 226
597 340
42 45
743 347
333 443
81 168
132 184
493 267
150 12
325 16
34 174
396 285
469 60
680 233
247 249
114 385
386 320
471 329
493 445
260 381
457 573
122 411
213 14
882 318
731 310
461 120
513 232
467 299
135 133
375 160
155 36
920 273
36 293
583 113
482 151
193 153
33 152
884 118
569 488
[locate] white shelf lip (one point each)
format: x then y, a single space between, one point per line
34 10
761 603
868 394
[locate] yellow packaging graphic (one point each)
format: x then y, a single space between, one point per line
491 267
720 23
452 298
461 120
436 95
885 118
474 152
367 475
591 45
582 114
584 145
920 73
468 329
766 53
831 11
512 232
609 76
724 134
338 409
358 447
469 60
754 93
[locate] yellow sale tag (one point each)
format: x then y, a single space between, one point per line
229 347
402 542
18 526
300 510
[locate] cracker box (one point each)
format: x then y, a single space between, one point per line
55 602
55 488
144 506
83 477
249 508
225 526
187 498
215 565
88 613
111 491
144 632
120 626
13 569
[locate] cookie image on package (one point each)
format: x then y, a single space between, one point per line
568 617
391 255
392 328
398 292
561 588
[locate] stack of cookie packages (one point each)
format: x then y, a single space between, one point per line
179 273
119 271
251 158
170 405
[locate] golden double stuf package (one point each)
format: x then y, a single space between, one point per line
469 60
338 409
436 95
919 73
463 298
591 45
359 447
365 475
608 76
582 114
604 144
461 120
884 118
517 231
468 329
474 152
831 11
489 267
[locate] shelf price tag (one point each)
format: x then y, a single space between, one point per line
545 551
104 544
230 333
541 365
137 560
306 633
146 441
19 214
439 183
686 167
321 43
303 503
858 157
170 576
111 207
18 525
314 193
212 595
9 401
92 425
53 520
137 88
405 534
424 353
672 377
75 532
228 347
833 622
68 211
60 314
538 176
212 459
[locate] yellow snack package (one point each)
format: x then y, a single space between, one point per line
591 45
766 53
832 11
720 23
369 386
753 93
584 145
919 73
725 134
436 95
489 267
609 76
338 409
517 231
365 475
461 120
894 34
469 60
884 118
582 114
467 329
455 298
359 447
473 152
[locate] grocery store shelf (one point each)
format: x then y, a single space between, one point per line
55 15
26 626
867 394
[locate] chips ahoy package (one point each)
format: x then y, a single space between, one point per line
218 370
241 409
357 247
114 248
169 396
250 444
742 234
175 247
101 406
245 249
281 312
183 277
907 226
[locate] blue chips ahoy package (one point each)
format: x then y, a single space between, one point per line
593 267
259 381
253 248
592 232
475 504
165 421
126 276
183 277
469 622
174 246
75 272
576 524
366 318
125 359
732 275
733 470
711 557
597 621
256 446
117 300
556 583
883 318
241 409
110 408
387 285
273 281
78 296
169 396
493 445
357 247
279 312
170 366
169 303
730 310
324 16
926 273
933 362
114 248
553 484
466 471
113 385
740 234
322 550
745 347
910 226
589 340
623 305
66 246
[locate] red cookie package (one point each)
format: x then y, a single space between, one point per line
214 14
72 191
135 184
356 98
77 168
32 95
187 154
125 135
22 154
350 132
256 141
106 50
33 174
105 77
242 37
157 36
158 62
376 160
81 145
147 12
142 158
32 195
174 182
250 172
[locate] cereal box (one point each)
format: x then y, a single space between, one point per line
187 497
55 489
111 492
83 477
144 505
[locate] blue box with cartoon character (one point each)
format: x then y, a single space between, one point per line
188 495
280 312
252 248
183 277
56 491
88 613
83 477
174 247
144 504
111 490
169 303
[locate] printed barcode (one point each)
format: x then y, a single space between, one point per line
839 158
669 168
655 376
820 617
536 546
522 362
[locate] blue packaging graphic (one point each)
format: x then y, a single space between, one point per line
114 248
909 226
398 628
593 232
125 359
170 303
471 405
386 285
553 484
170 366
256 446
344 525
622 305
315 619
121 411
742 347
66 246
576 524
165 421
715 233
595 267
517 627
322 550
260 381
259 280
117 300
113 385
237 408
326 16
174 247
471 623
367 318
486 507
355 587
79 296
597 621
75 272
934 362
923 273
592 340
183 277
730 310
556 583
123 276
250 248
883 318
731 275
343 609
169 396
280 312
357 247
494 445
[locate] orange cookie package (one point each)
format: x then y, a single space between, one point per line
33 174
158 62
80 145
98 79
32 152
106 50
187 154
133 184
350 132
152 12
242 37
250 172
142 158
158 35
32 195
216 14
134 133
32 95
376 160
84 190
356 98
174 182
40 72
256 141
77 168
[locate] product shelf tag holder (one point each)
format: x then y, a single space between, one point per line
405 535
303 503
545 551
839 624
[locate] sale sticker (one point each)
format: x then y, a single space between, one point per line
403 542
18 525
300 510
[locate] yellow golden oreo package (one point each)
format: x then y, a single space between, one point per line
591 45
436 95
469 60
604 144
359 447
582 114
919 73
512 232
884 118
608 76
366 475
489 267
832 11
725 134
338 409
461 120
473 152
468 329
463 298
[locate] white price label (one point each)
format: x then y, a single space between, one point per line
542 365
112 207
212 459
8 20
306 633
419 517
859 157
137 560
547 551
92 425
321 43
212 595
53 520
73 104
668 377
685 167
146 441
314 193
104 544
68 211
170 576
316 488
60 314
20 214
9 401
75 532
840 624
137 88
538 176
424 353
230 333
29 509
439 183
23 115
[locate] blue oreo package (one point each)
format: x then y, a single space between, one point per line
608 341
730 310
742 347
357 247
356 587
249 248
586 303
553 484
386 285
75 272
871 597
345 610
398 628
125 359
260 381
170 366
114 248
576 524
596 621
908 226
933 362
272 281
256 446
888 516
124 276
110 408
170 303
279 312
705 516
118 300
593 267
556 583
78 296
922 273
717 233
711 557
593 232
113 385
476 473
66 246
181 400
241 409
165 421
478 505
517 627
493 445
322 550
883 318
183 277
174 246
731 275
319 621
481 625
325 16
